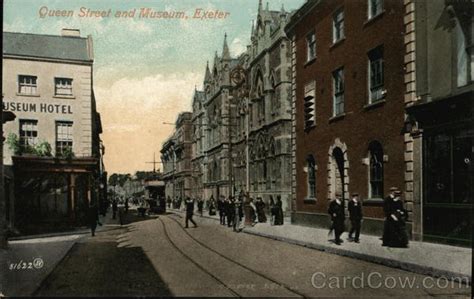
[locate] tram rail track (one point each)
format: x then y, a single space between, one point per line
258 273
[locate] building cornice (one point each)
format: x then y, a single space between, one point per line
300 14
46 59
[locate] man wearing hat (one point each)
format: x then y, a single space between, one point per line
387 203
355 215
336 212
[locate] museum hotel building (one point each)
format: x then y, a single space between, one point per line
53 152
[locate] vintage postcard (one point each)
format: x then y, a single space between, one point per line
237 148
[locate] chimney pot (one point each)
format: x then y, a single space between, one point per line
70 32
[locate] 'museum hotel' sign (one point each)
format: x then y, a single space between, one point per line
37 107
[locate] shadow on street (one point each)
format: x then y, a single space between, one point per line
98 267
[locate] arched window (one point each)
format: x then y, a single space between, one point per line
260 95
311 164
376 169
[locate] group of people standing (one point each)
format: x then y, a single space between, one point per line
231 210
394 232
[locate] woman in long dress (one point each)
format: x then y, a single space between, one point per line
261 210
397 235
279 212
273 211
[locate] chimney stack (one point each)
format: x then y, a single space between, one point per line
70 32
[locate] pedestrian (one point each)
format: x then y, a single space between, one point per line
261 210
279 214
121 215
273 211
238 214
230 211
386 208
397 235
93 217
221 208
336 212
253 212
212 207
189 211
200 206
114 208
126 205
355 215
168 201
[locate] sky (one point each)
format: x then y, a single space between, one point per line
145 70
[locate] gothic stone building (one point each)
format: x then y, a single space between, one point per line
267 110
217 103
198 142
348 108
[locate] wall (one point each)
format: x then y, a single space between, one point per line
361 122
77 109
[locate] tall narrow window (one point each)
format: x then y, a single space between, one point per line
311 46
311 165
338 95
376 77
28 133
310 104
375 8
63 86
376 169
338 26
27 84
64 136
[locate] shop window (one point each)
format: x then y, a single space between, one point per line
449 176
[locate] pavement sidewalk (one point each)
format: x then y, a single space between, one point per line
28 260
432 259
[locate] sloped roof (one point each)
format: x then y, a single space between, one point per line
46 46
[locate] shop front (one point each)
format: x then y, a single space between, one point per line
53 194
448 173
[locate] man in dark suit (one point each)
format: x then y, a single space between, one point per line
221 209
230 211
355 215
189 211
336 212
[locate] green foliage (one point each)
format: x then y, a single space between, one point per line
67 153
118 179
43 149
13 143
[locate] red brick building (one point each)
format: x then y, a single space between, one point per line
348 106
